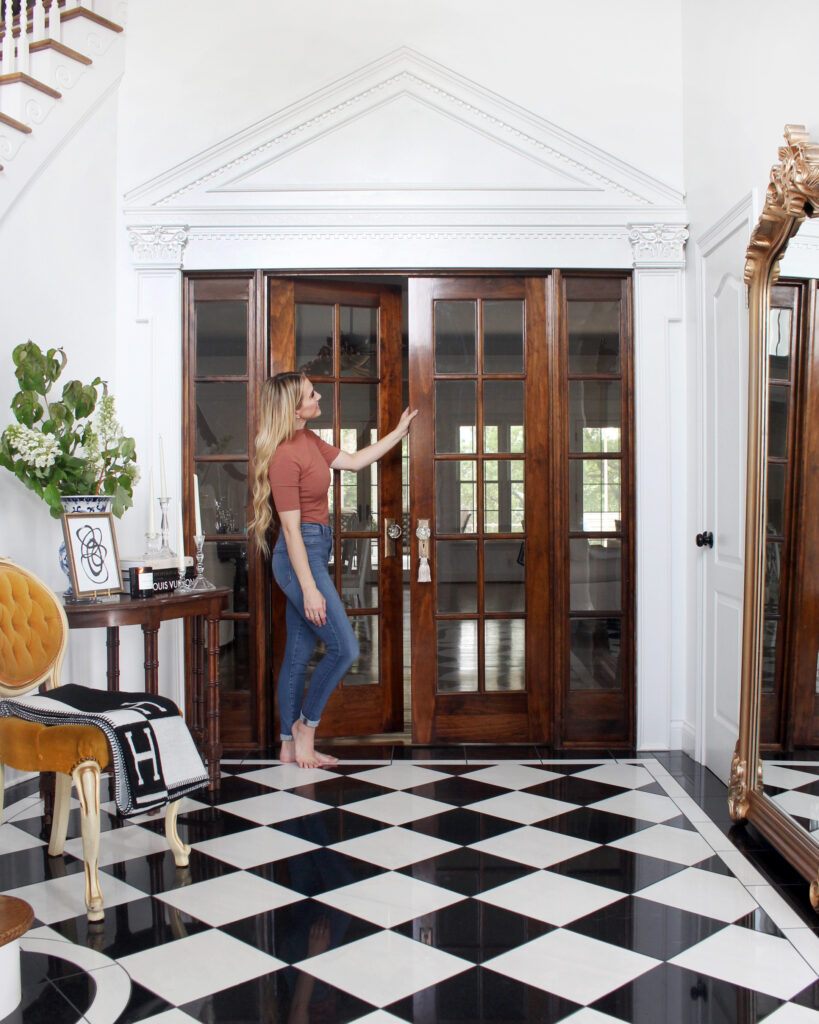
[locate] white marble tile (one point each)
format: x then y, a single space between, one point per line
397 808
584 1016
667 843
287 776
626 776
791 1013
572 966
785 778
801 805
510 775
12 840
254 846
750 959
643 806
691 809
403 967
525 808
537 847
394 847
270 808
775 907
741 867
400 775
227 898
119 844
550 897
378 1017
389 899
714 836
59 898
806 942
702 892
198 965
174 1016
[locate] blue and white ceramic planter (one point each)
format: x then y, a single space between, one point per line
82 504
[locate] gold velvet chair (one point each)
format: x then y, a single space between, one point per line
33 639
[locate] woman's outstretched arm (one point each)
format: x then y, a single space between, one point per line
373 452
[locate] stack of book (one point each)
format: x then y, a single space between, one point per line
162 573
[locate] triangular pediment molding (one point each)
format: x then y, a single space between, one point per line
403 132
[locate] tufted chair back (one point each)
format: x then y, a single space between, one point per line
33 632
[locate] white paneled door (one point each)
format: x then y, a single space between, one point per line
724 393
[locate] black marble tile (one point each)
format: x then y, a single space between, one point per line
290 932
28 866
592 754
466 871
646 927
357 751
272 998
474 930
236 787
481 994
130 928
317 871
332 826
670 995
42 1003
338 791
159 873
457 791
501 752
208 823
616 869
462 826
595 826
419 752
575 791
759 921
715 865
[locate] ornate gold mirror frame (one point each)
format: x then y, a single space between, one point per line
792 196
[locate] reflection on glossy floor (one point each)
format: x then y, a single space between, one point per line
457 884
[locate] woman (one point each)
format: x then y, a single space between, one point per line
291 471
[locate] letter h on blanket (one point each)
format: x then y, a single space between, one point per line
78 732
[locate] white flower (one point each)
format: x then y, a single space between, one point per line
35 449
106 423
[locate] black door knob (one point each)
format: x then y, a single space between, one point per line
705 540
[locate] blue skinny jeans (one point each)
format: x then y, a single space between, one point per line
337 633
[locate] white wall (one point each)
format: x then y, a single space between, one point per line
197 73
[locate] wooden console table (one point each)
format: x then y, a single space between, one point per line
205 606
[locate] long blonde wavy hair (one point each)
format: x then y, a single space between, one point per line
279 402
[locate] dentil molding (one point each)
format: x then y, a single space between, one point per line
154 245
658 245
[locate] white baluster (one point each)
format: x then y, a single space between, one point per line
9 65
54 21
23 63
38 21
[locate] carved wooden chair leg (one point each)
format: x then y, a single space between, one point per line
59 820
179 849
87 782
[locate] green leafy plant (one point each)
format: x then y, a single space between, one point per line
60 447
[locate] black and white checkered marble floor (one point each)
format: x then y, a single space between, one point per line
438 889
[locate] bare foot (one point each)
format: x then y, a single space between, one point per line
305 754
326 758
287 754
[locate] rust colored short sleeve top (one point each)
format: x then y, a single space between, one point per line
299 475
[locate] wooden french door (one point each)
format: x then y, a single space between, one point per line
347 338
481 636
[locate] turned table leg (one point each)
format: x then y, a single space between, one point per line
112 644
213 744
197 681
150 633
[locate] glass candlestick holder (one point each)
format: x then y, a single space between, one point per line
184 583
200 582
151 545
165 550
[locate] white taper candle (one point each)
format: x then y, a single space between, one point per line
151 524
197 510
163 483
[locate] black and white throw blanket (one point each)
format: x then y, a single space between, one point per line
155 759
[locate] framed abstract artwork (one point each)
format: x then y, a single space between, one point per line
93 558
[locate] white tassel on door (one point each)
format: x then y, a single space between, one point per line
423 571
